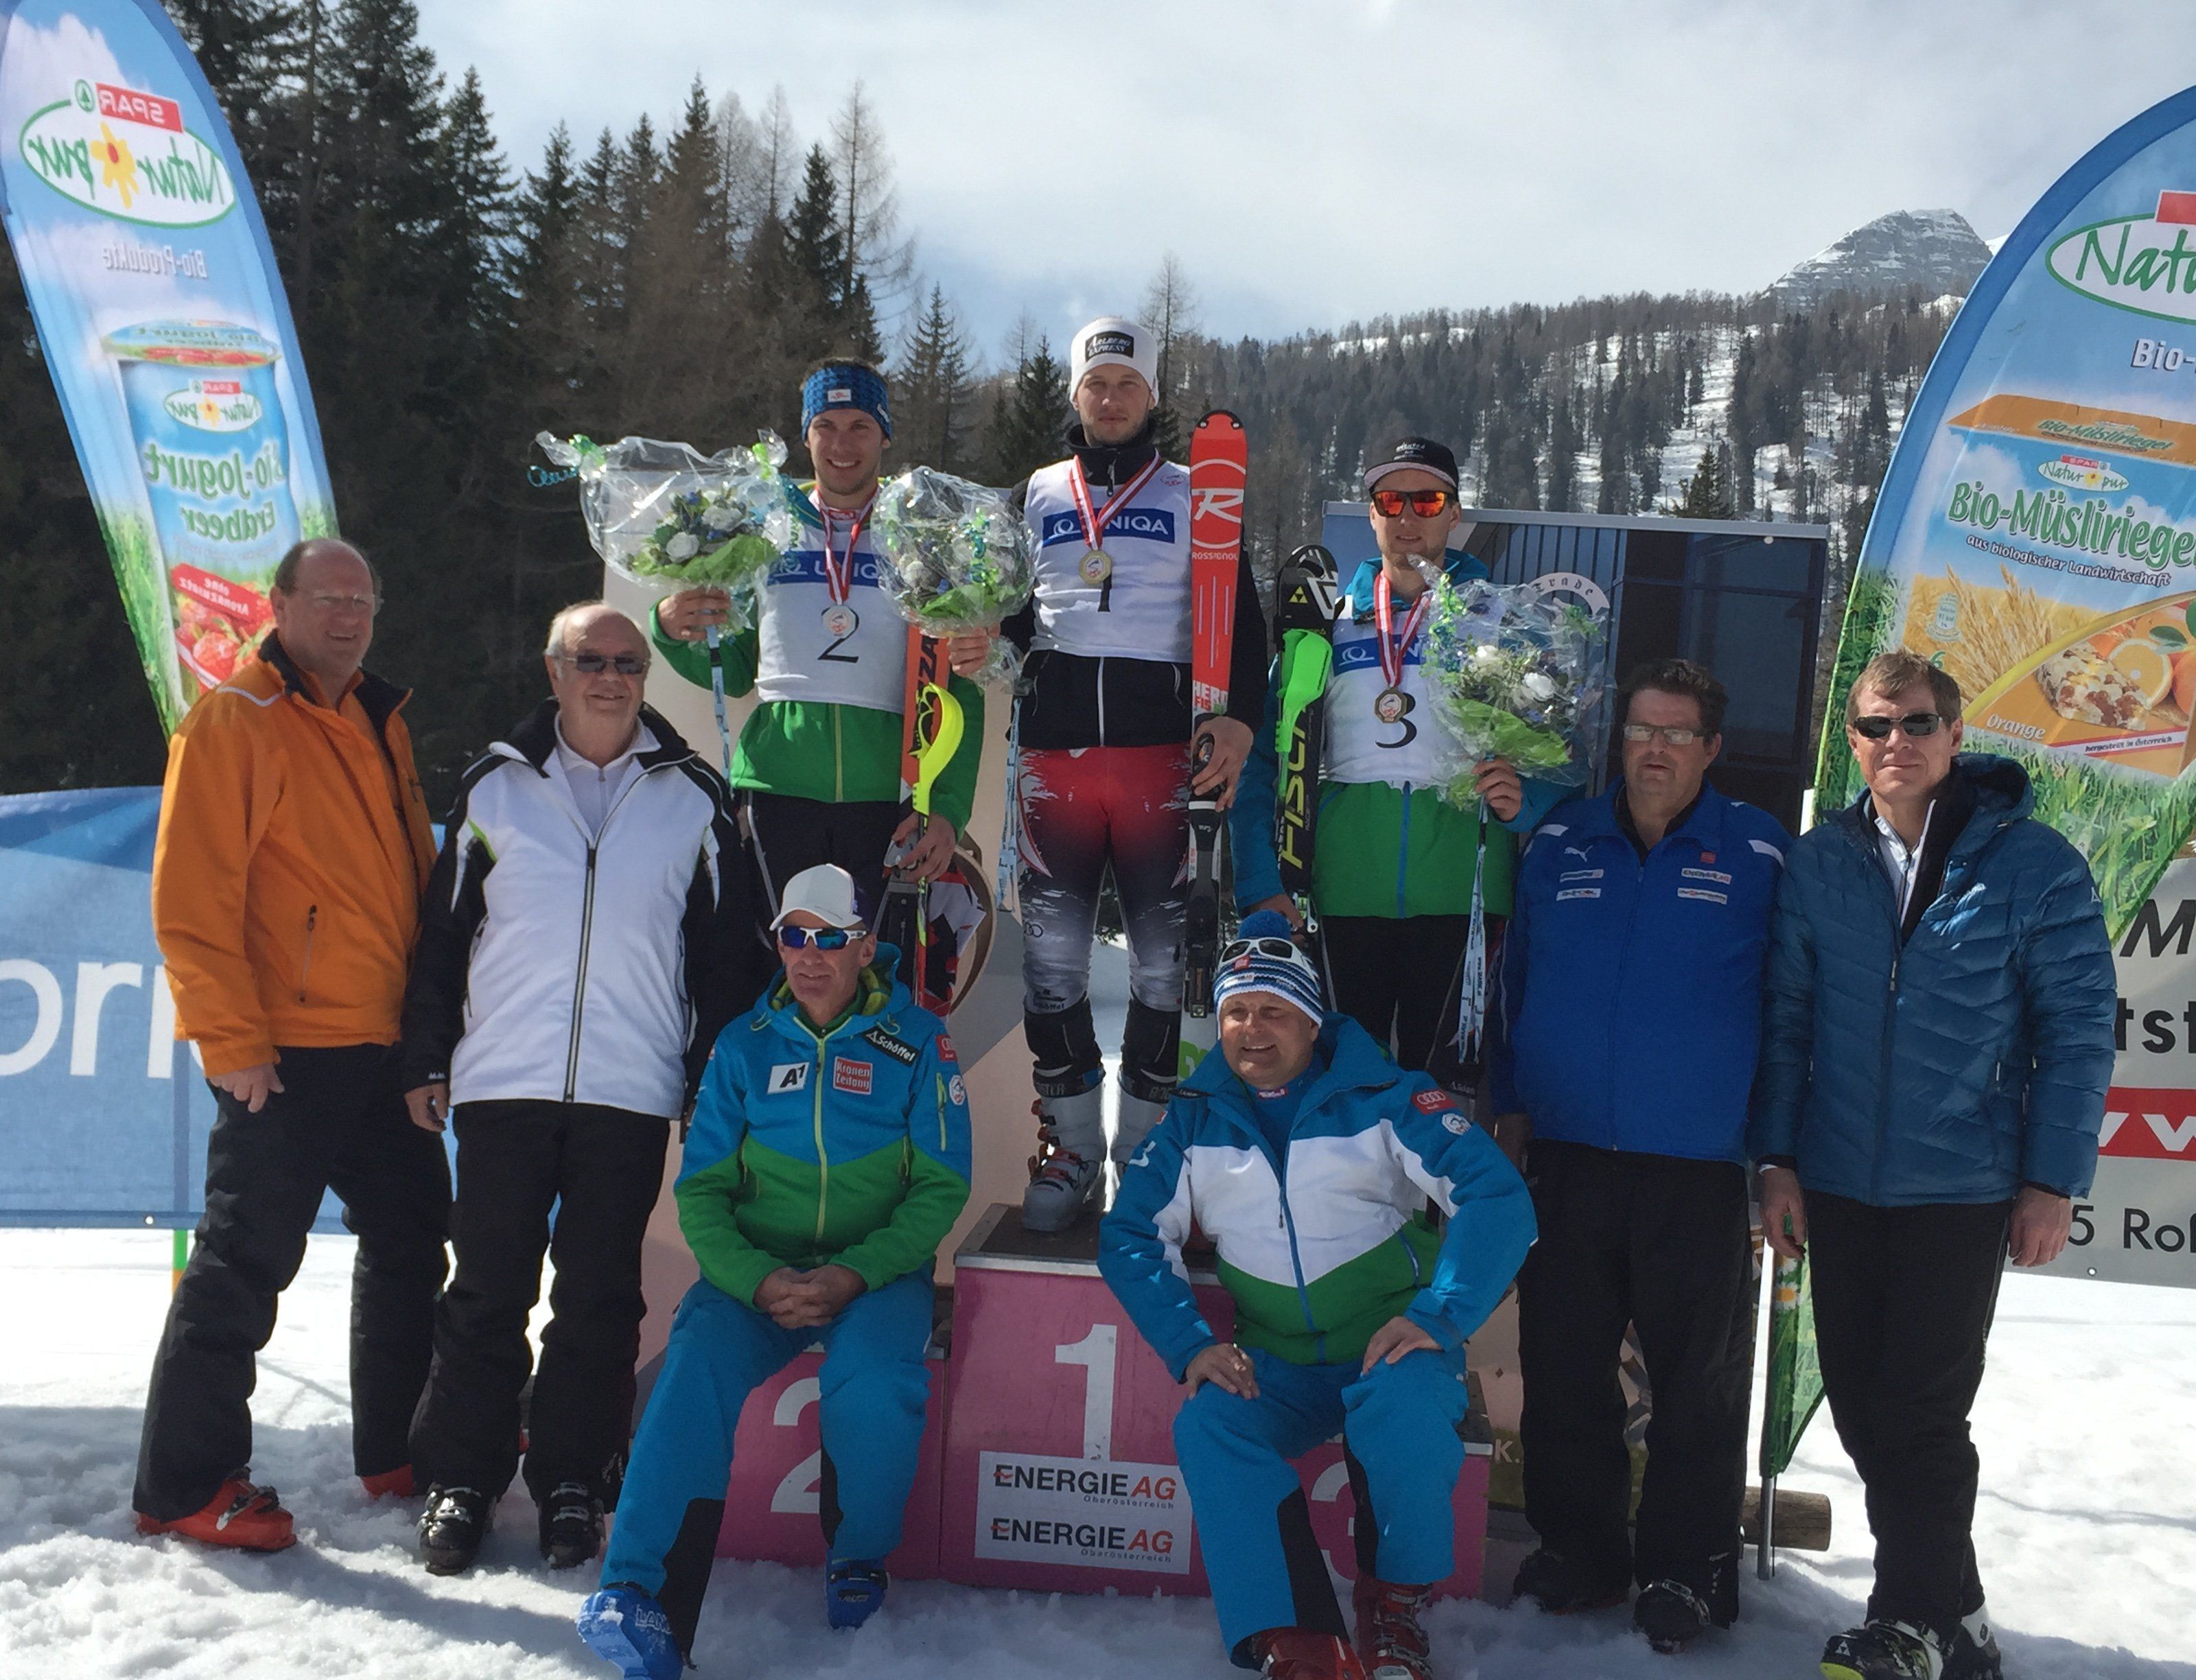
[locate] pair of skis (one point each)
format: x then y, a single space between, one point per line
930 734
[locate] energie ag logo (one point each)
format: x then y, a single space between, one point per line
125 153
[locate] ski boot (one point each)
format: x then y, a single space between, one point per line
1671 1614
1389 1637
1563 1586
571 1526
396 1484
240 1514
1298 1653
1067 1173
1884 1650
1974 1654
452 1527
853 1592
624 1625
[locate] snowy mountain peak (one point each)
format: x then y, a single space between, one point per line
1934 249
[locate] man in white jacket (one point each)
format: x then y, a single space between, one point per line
576 962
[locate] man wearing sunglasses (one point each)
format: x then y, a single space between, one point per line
1307 1156
1937 1045
829 1159
1392 870
817 768
574 964
1629 1001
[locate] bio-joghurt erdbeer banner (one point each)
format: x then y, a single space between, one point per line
162 322
2035 534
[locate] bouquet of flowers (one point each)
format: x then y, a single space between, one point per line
666 511
956 557
1512 675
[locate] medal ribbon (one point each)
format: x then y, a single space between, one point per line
1384 614
838 571
1094 522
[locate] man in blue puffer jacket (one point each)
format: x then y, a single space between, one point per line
1630 1000
1937 1044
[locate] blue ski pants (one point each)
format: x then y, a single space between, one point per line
1398 1424
875 1383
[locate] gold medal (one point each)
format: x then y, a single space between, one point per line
1387 704
840 621
1095 566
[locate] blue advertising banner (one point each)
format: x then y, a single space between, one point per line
163 321
2035 533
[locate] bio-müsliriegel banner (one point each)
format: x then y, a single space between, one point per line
164 325
2036 536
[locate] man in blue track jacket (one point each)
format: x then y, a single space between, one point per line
1307 1157
1631 1004
1936 1050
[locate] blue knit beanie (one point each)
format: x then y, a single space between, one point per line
1254 961
844 385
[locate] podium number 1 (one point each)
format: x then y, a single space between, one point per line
1095 1352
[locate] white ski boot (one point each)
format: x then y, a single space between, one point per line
1067 1173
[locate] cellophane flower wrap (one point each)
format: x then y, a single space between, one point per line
1513 673
957 557
665 512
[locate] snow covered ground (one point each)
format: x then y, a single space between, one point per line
2086 1528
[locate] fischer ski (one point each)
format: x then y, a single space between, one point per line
1305 606
930 734
1219 465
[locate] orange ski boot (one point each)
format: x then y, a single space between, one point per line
240 1514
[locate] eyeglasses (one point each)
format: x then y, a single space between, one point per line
1388 504
594 663
1285 950
1913 725
823 938
1643 733
367 605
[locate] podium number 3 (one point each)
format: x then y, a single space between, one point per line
1096 1353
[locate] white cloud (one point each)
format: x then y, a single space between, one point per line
1313 162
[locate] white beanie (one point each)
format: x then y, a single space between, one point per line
1114 341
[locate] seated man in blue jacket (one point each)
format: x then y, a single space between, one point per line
1307 1157
1631 1003
1936 1049
829 1157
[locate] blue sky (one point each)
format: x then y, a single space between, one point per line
1314 162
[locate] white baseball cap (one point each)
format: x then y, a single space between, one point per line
1114 341
827 891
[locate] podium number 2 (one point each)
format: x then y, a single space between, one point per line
1096 1353
800 1490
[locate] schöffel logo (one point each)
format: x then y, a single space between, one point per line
1109 343
125 153
2144 264
1155 524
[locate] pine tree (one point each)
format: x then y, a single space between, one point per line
813 234
933 393
1025 431
1707 491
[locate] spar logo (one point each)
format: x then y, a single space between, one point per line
2079 472
213 405
124 153
2144 264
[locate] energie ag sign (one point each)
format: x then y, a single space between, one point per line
125 153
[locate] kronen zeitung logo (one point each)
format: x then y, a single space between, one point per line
2144 264
126 153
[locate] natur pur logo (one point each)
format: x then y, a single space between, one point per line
125 153
2144 264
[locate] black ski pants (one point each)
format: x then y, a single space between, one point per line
338 1122
1904 1298
1660 1243
790 834
1393 977
599 1169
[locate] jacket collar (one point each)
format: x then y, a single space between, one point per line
1591 819
534 740
1357 601
1113 465
879 995
1352 1063
379 699
1998 788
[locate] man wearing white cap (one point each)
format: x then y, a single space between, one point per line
836 1081
1351 1310
1105 741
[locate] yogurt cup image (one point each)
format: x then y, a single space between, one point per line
212 446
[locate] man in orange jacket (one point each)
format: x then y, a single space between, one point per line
292 850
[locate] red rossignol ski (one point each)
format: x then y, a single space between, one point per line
1219 463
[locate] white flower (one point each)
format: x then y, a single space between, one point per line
1539 684
684 547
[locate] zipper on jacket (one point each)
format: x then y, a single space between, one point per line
1102 699
1871 860
823 1156
304 969
1403 858
1623 951
580 979
838 761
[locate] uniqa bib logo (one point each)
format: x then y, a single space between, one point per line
2144 264
213 405
126 153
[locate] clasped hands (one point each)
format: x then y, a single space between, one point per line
798 1300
